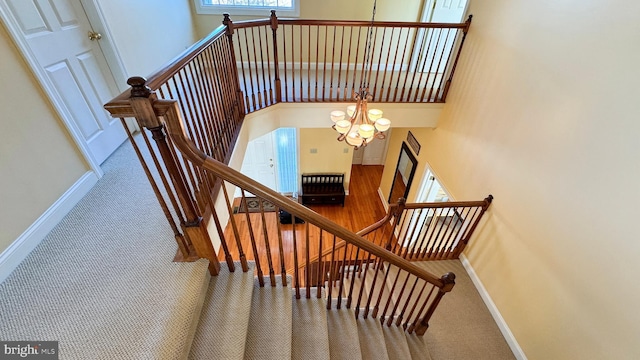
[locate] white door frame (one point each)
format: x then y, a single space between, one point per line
47 85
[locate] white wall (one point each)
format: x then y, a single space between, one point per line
543 114
149 33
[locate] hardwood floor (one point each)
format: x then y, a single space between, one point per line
362 208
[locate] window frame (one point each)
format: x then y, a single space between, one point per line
201 8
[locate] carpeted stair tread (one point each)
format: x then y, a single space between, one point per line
372 343
418 347
343 333
269 336
310 333
396 342
225 315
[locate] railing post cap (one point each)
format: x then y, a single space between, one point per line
489 198
273 13
226 18
139 86
449 279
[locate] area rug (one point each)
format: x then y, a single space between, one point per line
253 204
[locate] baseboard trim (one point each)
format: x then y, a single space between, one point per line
502 324
13 255
384 201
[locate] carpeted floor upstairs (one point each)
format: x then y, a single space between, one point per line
102 284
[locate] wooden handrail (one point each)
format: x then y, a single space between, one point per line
176 129
288 21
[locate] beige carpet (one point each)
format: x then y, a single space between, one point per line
309 331
102 282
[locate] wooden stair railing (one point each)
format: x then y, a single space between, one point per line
429 231
239 68
261 239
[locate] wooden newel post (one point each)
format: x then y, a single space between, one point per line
449 280
276 66
142 101
229 32
396 220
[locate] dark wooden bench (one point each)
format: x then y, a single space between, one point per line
322 189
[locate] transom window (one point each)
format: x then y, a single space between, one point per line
249 7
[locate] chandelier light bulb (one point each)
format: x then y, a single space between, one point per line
375 114
366 131
351 109
337 115
354 139
343 126
383 124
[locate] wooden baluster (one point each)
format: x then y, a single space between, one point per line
397 303
426 232
142 103
439 31
276 63
415 305
254 247
333 57
466 225
404 52
424 63
265 96
375 83
324 63
308 63
283 269
408 233
391 292
353 279
269 94
206 105
307 250
295 256
431 242
254 68
317 59
320 275
438 69
272 274
331 271
438 240
183 246
384 77
234 227
300 77
455 62
337 98
381 293
362 285
355 85
465 240
346 75
449 281
406 302
214 214
232 53
344 265
373 288
452 224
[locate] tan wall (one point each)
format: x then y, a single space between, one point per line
388 10
330 156
543 114
398 136
38 161
148 35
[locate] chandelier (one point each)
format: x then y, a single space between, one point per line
363 125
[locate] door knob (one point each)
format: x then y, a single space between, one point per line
94 35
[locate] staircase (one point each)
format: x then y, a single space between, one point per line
240 319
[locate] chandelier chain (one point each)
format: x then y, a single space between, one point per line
364 82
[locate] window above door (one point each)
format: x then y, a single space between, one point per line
285 8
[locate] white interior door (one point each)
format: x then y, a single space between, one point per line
56 34
258 162
374 153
